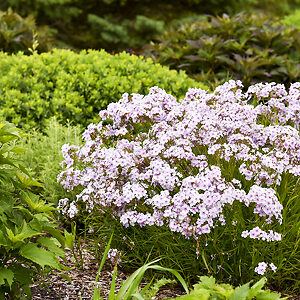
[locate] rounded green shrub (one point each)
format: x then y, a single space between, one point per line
76 87
244 47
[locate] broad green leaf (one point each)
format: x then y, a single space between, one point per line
18 150
13 238
6 274
201 294
69 240
39 256
241 292
51 245
22 274
28 181
206 282
268 295
256 288
3 239
35 203
55 233
24 232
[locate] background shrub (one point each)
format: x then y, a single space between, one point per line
19 34
121 24
75 86
245 47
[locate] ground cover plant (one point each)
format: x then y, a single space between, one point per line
251 48
29 239
74 86
210 182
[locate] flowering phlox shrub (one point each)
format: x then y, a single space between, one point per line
183 163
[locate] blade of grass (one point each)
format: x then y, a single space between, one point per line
111 295
175 273
96 295
130 280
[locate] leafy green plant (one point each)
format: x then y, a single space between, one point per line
76 87
208 289
19 34
250 48
30 243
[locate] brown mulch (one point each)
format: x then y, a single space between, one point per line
83 281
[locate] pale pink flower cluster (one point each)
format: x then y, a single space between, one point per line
257 233
159 162
115 256
263 267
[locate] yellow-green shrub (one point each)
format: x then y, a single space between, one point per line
76 87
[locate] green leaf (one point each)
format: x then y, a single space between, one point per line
256 288
28 181
22 274
69 240
96 294
241 293
55 233
111 295
35 203
39 256
66 277
18 150
6 274
268 295
206 282
201 294
3 239
51 245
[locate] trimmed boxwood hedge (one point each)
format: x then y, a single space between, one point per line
76 87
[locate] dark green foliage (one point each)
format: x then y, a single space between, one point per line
29 240
120 24
76 87
19 34
274 6
246 47
108 34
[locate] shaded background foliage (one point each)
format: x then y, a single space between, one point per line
120 24
250 48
